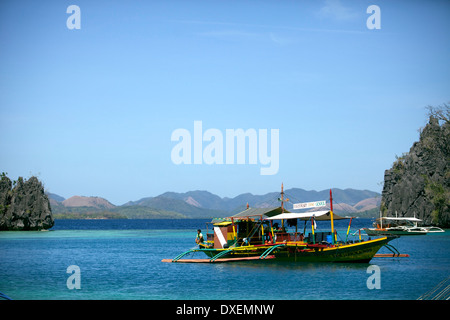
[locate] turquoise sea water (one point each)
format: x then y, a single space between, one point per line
121 259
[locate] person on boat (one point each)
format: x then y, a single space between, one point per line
199 239
277 228
267 233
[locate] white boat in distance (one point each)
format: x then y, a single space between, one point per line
405 226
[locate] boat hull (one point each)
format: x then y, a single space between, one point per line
384 232
361 252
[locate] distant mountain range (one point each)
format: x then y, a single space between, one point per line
204 204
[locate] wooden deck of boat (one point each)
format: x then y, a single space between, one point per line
217 260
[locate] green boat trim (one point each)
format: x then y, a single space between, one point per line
362 251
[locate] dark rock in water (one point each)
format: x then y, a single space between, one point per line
24 207
418 184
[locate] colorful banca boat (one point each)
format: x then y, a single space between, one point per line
254 235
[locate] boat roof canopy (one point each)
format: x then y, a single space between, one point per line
402 219
250 213
277 214
222 223
255 212
323 215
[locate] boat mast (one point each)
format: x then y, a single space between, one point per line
381 220
331 216
282 205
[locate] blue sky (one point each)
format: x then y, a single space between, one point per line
91 111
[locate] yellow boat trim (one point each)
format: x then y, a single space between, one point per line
291 244
301 244
222 224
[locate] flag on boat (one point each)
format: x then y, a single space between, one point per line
306 205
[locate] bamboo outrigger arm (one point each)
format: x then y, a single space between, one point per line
270 250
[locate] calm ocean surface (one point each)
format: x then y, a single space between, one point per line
121 259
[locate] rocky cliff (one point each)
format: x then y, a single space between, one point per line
24 206
418 184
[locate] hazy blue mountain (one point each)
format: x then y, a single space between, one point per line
201 203
202 199
211 201
176 205
55 197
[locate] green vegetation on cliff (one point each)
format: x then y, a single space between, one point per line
90 215
418 184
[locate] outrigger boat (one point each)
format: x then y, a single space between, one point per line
399 226
252 235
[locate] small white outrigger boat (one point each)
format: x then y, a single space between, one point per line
404 226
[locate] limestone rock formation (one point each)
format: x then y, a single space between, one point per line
24 206
418 184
